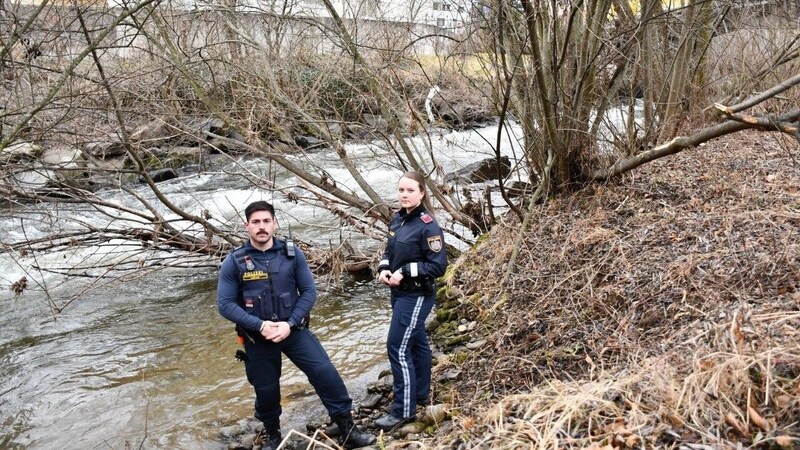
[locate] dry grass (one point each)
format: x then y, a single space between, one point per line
657 312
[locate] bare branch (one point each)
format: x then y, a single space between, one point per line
681 143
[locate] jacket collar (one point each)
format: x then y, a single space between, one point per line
414 213
277 244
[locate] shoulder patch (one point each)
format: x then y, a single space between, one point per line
426 218
435 243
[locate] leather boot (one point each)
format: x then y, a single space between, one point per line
390 422
350 436
270 436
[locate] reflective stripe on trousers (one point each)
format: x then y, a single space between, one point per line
409 351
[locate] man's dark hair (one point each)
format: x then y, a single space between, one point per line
260 205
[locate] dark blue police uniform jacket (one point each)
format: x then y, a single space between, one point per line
416 248
257 285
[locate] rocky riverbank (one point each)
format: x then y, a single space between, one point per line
657 311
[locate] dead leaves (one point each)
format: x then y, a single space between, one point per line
597 446
757 420
737 426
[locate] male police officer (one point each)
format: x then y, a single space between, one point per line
267 290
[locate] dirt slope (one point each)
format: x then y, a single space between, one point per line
657 311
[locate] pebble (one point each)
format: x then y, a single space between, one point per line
476 344
452 374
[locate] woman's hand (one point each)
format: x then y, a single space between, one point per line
395 278
384 276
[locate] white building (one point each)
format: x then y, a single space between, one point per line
447 14
373 24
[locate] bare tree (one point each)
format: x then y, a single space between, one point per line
565 65
112 90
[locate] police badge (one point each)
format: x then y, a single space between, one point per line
435 243
248 263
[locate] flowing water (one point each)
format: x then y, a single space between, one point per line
158 367
149 362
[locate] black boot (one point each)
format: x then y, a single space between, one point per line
270 436
391 423
350 435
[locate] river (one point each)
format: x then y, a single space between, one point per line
149 362
157 366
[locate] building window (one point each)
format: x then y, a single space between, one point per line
440 22
437 6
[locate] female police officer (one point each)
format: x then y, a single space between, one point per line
415 256
267 290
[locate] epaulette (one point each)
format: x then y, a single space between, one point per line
426 218
238 251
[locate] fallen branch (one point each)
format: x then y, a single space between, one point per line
777 123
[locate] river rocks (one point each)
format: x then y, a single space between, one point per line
32 181
152 132
70 167
459 113
187 155
409 428
20 151
376 122
383 385
434 414
309 142
231 431
210 133
47 172
451 375
474 345
63 157
372 401
160 175
432 324
481 171
105 149
242 435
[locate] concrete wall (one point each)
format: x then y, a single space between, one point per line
375 27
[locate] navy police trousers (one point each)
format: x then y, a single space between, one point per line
304 350
409 351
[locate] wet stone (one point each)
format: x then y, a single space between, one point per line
248 439
371 402
231 431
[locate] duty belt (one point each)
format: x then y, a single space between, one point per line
252 337
424 284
